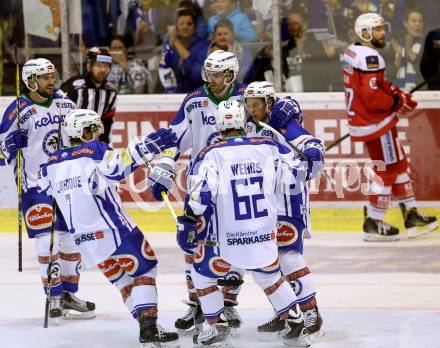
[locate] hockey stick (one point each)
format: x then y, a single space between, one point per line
52 235
173 213
345 136
19 166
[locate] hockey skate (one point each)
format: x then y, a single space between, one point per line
231 314
75 308
271 329
216 335
55 309
153 335
378 230
192 320
295 334
414 219
313 323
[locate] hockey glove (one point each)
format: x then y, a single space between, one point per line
186 233
314 152
403 101
157 142
161 180
14 141
283 111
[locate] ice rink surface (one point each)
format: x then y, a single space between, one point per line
381 295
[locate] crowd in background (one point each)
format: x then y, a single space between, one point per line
158 46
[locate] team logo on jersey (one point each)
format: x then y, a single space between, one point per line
372 83
199 254
129 263
39 216
287 233
218 266
50 142
111 269
147 251
55 271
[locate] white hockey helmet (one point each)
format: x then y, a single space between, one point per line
34 68
260 89
230 114
77 120
367 21
220 61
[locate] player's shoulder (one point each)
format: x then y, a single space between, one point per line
364 58
93 149
199 92
10 113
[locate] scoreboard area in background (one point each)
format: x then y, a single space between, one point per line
324 117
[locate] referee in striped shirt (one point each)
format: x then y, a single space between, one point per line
92 91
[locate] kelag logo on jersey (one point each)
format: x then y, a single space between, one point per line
208 120
50 119
50 142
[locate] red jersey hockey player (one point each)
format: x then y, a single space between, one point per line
373 107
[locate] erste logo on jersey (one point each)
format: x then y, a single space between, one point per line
39 216
50 142
287 233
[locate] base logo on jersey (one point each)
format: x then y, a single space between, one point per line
219 266
50 142
39 216
111 269
129 263
272 267
287 233
147 251
199 254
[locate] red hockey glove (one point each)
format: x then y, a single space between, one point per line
404 102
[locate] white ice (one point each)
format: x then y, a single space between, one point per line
370 295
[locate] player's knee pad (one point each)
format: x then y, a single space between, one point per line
210 296
125 285
290 234
70 262
296 272
135 255
278 291
144 293
42 244
189 260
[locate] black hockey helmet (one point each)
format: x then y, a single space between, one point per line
96 54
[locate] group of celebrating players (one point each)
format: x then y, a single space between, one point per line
246 208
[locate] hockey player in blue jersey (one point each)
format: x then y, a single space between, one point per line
194 125
82 178
238 180
41 109
294 220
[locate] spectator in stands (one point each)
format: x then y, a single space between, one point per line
182 56
201 27
229 9
92 91
224 36
408 51
308 65
430 62
129 75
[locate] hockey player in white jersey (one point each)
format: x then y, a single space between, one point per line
238 178
41 109
194 125
82 178
294 220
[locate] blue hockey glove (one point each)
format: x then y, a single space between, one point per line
161 140
314 151
14 141
186 233
283 112
161 180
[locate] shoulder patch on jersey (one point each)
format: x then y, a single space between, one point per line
192 94
83 151
372 62
79 83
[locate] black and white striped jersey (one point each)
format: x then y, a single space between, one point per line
83 92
